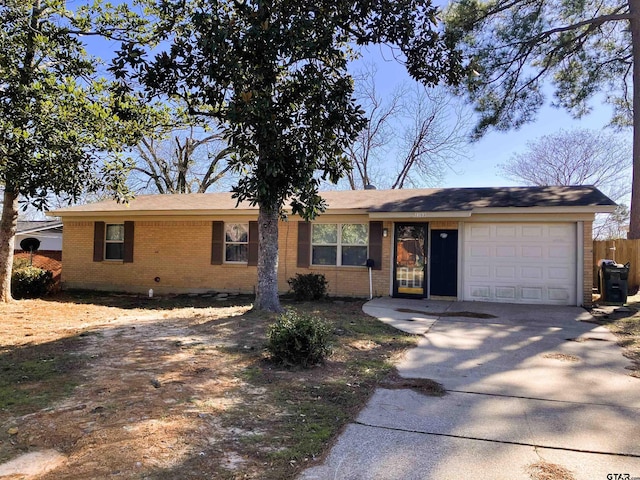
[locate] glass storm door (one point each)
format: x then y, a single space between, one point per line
410 265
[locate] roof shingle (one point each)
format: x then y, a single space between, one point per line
409 200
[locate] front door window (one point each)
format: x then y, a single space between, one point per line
410 260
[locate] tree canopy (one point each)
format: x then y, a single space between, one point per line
574 157
413 136
274 74
58 119
516 48
181 159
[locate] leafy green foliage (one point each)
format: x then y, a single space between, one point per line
299 339
514 48
274 73
20 262
309 286
58 119
31 282
63 127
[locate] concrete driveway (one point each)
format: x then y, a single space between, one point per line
531 390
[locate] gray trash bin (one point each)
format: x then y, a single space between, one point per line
613 281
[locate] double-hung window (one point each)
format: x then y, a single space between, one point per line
236 242
114 242
340 244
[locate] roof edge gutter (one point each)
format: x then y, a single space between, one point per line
415 215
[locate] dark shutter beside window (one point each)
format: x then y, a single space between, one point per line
375 244
304 244
127 254
252 257
217 243
98 241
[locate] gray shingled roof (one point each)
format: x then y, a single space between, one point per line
30 226
465 199
409 200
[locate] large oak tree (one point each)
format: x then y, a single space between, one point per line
274 74
579 47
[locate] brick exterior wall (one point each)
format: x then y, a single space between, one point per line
178 252
587 276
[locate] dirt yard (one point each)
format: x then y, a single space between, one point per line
130 387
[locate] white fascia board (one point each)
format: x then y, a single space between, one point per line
588 209
39 229
417 215
157 213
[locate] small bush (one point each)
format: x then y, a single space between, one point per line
299 339
20 262
31 282
310 286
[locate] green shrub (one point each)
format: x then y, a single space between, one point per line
31 282
20 262
310 286
299 339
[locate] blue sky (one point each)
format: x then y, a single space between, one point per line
484 155
496 147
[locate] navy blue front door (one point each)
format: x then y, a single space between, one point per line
444 263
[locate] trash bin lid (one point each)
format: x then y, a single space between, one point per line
605 261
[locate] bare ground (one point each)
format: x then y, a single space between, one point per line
127 387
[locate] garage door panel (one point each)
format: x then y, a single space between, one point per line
530 251
506 293
561 231
481 251
520 263
479 292
532 273
562 274
480 272
506 231
506 272
506 251
559 294
559 251
480 231
532 294
532 231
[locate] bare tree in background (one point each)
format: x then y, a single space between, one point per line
412 138
183 160
579 157
612 226
575 157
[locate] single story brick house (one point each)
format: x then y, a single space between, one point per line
516 244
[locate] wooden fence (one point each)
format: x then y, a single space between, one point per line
625 251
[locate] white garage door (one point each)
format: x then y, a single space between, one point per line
520 263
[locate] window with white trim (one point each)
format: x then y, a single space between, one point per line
340 244
236 242
114 242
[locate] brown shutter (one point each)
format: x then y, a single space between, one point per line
127 254
304 244
375 244
217 243
252 254
98 241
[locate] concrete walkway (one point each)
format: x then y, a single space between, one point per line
528 387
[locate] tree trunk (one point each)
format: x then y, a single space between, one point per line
8 228
267 290
634 221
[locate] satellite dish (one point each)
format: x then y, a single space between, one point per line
30 244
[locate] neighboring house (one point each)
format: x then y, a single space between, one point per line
49 253
48 232
517 244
